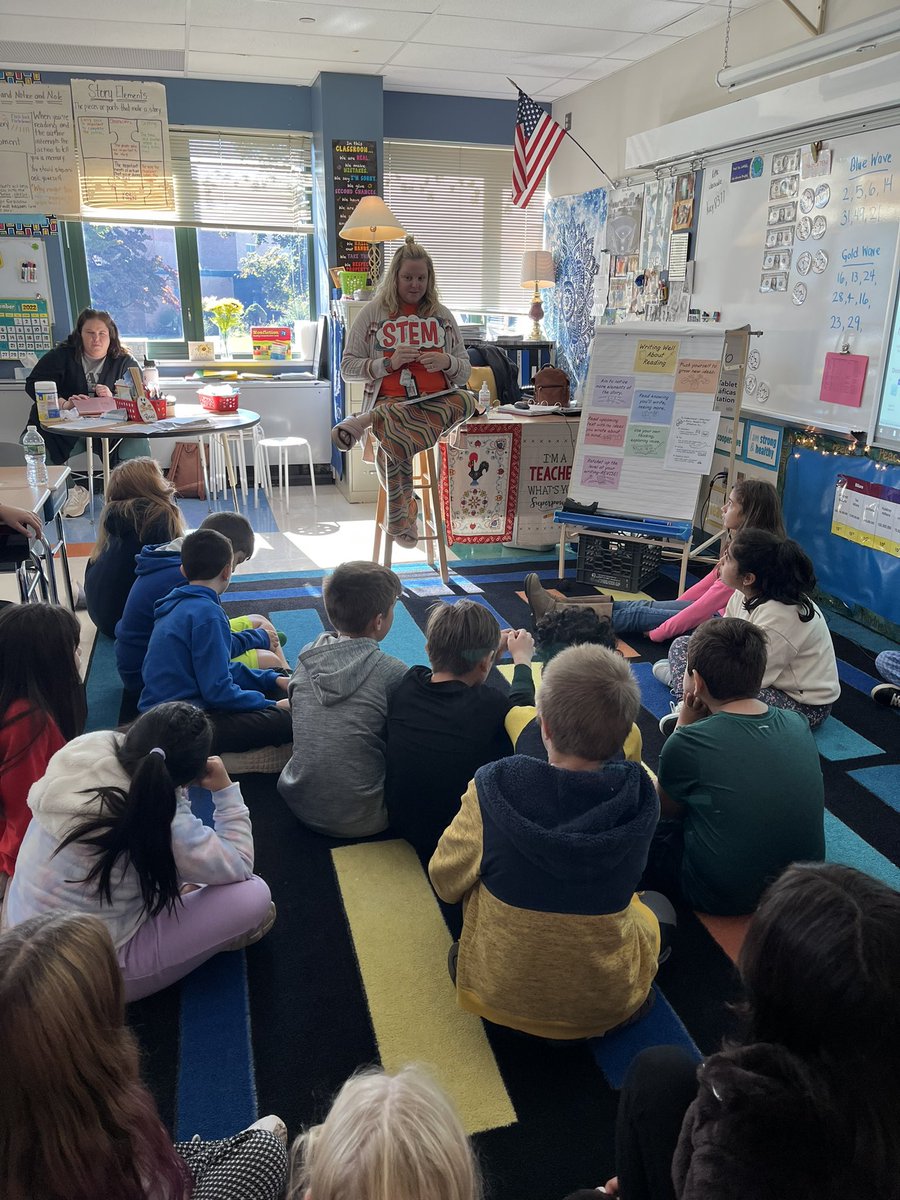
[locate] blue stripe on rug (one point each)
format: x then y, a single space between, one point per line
842 845
216 1081
883 782
837 742
298 593
655 696
302 625
405 640
661 1027
417 568
104 687
855 678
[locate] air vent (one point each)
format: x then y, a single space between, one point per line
49 56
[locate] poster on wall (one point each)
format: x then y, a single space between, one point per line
479 482
623 224
355 176
656 224
38 165
683 211
544 472
867 513
123 144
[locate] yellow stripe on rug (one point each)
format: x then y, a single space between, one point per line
401 944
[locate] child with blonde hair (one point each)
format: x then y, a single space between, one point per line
387 1137
140 510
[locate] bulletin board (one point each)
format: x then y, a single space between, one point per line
805 249
648 429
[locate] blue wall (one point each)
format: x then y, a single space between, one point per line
467 119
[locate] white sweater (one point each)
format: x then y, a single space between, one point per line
800 656
66 796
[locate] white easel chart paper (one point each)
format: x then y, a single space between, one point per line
123 143
38 165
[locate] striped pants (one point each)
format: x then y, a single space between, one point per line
401 431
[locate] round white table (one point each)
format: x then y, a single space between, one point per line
191 420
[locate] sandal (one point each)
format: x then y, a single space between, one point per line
407 538
346 434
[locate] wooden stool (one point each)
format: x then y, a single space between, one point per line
425 486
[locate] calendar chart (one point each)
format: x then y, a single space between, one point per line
24 328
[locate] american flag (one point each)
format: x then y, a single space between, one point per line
536 141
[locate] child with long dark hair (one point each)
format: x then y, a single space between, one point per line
806 1105
774 581
76 1122
113 835
140 510
42 706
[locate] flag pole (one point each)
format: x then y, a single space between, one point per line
568 134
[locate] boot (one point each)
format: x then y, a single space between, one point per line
541 602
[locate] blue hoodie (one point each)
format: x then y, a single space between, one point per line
157 572
189 657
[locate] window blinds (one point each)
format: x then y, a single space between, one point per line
456 201
228 180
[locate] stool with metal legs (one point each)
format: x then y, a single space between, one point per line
262 468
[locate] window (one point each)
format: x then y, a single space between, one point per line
456 201
241 227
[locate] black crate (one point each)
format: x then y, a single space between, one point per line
610 562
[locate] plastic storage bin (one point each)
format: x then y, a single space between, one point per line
214 402
607 561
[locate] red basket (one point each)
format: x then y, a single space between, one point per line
219 404
131 407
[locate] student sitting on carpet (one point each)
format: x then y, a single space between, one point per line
555 631
140 510
113 835
189 655
446 722
805 1106
739 779
546 858
254 641
339 694
42 704
76 1122
386 1137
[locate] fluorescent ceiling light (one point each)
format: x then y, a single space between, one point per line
862 35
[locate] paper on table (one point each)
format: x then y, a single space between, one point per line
691 443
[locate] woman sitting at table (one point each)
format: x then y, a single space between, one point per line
405 346
88 363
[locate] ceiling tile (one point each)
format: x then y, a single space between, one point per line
703 18
264 68
552 66
643 47
630 16
75 32
330 20
291 45
597 70
514 35
458 81
161 12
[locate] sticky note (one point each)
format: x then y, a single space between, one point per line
658 357
605 429
652 407
697 375
613 391
601 472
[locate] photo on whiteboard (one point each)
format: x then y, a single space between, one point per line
819 227
782 214
804 229
804 262
775 282
820 262
777 260
778 238
807 200
785 188
683 212
788 160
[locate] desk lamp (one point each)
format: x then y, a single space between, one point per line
373 222
537 272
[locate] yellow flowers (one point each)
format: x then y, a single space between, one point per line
227 314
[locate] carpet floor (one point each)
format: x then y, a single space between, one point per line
354 973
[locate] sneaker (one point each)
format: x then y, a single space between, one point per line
669 721
539 599
274 1125
248 939
663 672
77 501
887 694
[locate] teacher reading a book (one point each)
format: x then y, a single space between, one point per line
407 349
88 363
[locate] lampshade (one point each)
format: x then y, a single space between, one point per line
537 269
372 221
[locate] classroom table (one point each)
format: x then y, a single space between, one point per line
195 420
45 500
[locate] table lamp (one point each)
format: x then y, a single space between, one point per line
537 272
373 222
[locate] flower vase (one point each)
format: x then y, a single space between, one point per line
223 346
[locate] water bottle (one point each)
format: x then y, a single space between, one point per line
484 397
35 456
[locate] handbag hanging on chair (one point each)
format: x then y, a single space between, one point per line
186 471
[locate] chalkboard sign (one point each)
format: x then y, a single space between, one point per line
355 176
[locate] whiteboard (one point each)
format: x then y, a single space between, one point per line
838 287
648 428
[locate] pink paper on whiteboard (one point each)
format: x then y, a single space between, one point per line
843 379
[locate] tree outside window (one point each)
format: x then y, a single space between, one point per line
132 275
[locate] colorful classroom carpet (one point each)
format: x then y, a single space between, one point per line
354 972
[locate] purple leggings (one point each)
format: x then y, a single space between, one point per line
169 946
814 713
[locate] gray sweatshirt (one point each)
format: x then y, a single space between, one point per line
339 692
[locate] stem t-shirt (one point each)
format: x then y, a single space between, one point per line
407 328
